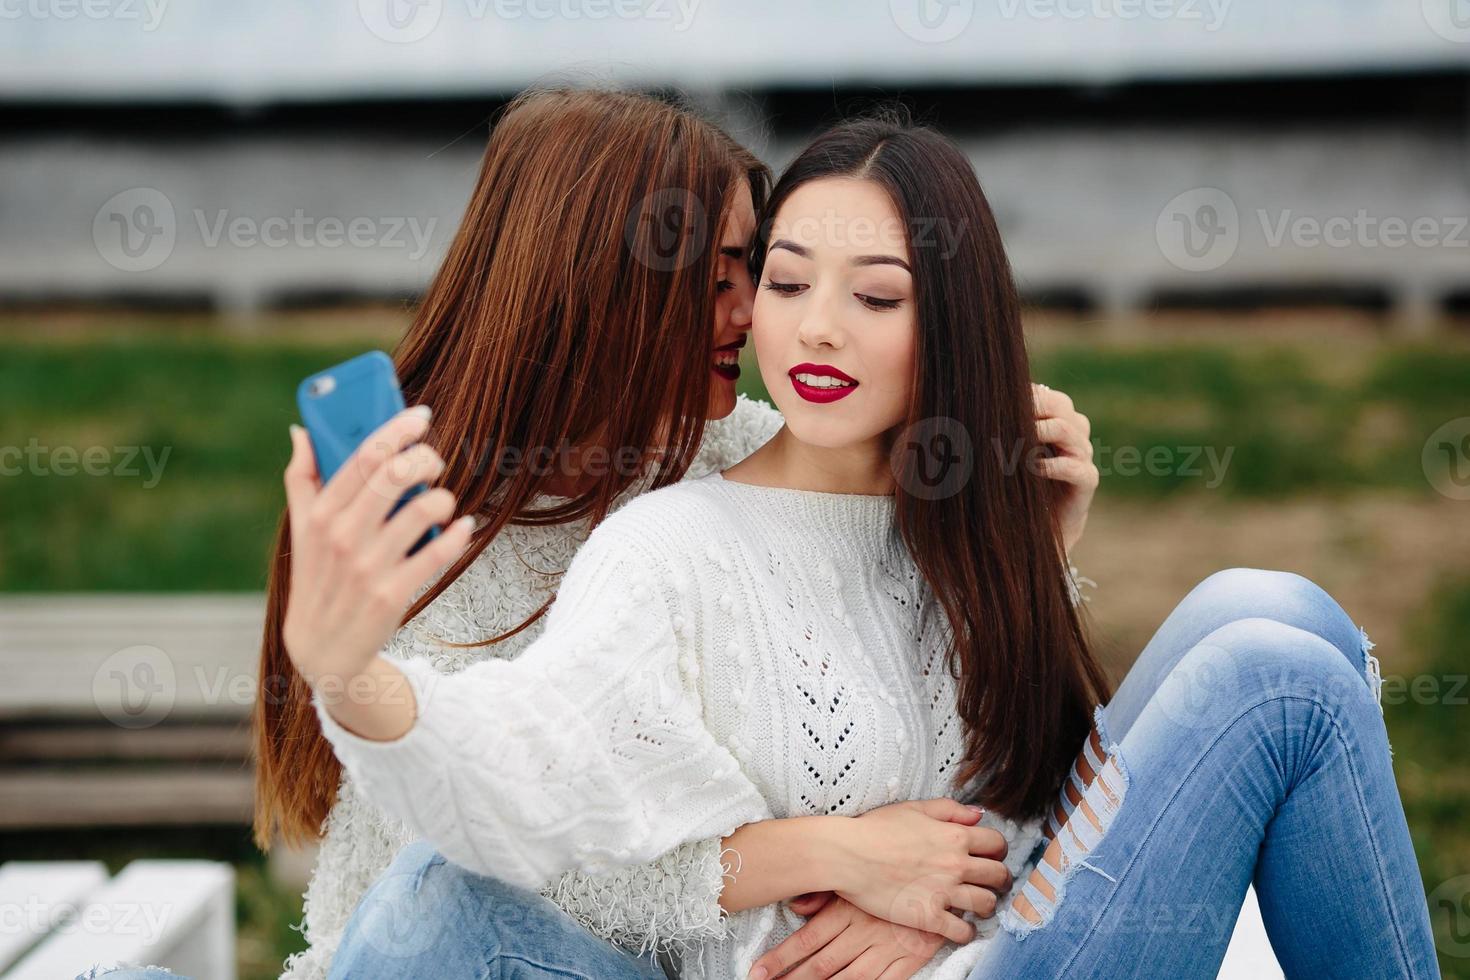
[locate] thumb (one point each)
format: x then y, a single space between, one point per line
952 811
810 904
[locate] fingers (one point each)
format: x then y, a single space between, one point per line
987 842
1050 402
951 927
802 943
989 874
385 442
809 904
414 572
833 959
363 517
903 969
391 545
973 898
1071 435
1068 469
870 963
301 481
949 810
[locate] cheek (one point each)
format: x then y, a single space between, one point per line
895 352
768 325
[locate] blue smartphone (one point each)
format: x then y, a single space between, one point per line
345 404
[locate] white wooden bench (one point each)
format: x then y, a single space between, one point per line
59 919
62 919
127 709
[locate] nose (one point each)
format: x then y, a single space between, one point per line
743 304
818 326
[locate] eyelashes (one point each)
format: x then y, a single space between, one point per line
871 302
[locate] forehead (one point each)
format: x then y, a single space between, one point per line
842 214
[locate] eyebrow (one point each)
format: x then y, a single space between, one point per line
733 251
806 253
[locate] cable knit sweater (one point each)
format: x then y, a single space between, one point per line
718 653
667 904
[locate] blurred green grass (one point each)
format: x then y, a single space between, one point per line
1293 419
1428 719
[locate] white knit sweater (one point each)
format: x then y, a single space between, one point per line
718 654
669 903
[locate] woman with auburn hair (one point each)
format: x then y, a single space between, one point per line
591 307
833 625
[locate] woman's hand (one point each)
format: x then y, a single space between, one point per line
1069 433
842 938
351 578
912 862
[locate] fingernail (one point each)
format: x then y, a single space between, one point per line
759 973
423 411
468 521
294 429
978 809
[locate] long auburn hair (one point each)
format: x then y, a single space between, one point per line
574 306
991 550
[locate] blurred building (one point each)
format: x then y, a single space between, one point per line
1139 153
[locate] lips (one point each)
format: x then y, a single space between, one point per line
821 383
727 360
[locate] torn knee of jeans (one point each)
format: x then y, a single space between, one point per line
1087 821
1372 671
1084 770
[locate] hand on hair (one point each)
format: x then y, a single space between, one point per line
1069 434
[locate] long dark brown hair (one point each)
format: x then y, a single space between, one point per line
989 546
574 306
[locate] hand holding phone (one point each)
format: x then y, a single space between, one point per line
361 514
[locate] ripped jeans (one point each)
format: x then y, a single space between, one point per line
1246 744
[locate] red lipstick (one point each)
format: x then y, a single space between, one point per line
822 395
730 371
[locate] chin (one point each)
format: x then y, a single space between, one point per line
721 402
824 434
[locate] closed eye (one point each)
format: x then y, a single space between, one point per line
877 302
785 288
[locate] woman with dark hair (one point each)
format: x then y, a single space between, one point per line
579 345
839 624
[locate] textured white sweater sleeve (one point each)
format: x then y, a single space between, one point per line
587 751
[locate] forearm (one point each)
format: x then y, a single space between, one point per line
377 704
774 860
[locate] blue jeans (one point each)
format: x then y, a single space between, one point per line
428 917
1245 744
